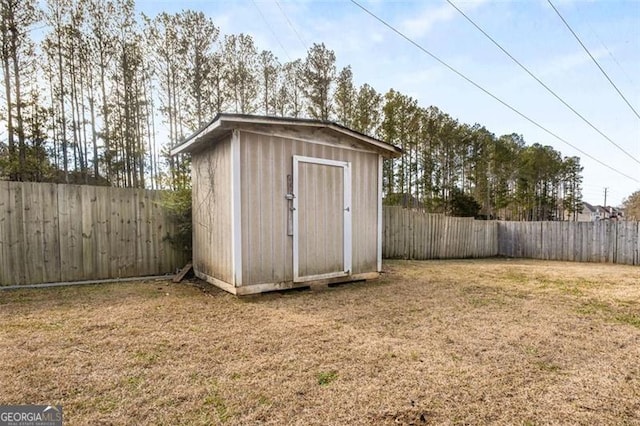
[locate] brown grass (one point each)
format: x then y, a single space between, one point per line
453 342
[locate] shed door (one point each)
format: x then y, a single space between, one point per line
321 218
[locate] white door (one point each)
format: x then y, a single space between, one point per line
321 218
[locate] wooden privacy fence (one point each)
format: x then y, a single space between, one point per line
55 233
411 234
603 241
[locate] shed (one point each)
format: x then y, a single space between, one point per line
280 203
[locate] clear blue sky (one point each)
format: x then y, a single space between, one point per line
529 29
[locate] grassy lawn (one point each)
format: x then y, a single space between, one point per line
454 342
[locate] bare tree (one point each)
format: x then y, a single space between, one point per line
290 99
198 35
344 97
318 75
269 70
240 59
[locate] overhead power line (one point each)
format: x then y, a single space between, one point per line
593 59
487 92
541 82
271 29
613 58
302 42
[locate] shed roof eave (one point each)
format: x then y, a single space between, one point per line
390 150
227 121
194 139
393 151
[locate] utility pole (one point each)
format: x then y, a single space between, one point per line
605 197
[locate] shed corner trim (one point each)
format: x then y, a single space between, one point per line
236 210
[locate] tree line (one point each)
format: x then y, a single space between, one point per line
104 93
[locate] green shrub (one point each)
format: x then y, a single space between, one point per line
178 204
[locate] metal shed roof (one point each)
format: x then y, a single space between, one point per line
222 123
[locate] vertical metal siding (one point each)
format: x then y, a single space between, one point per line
212 231
267 251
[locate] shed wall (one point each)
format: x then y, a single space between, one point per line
267 250
212 224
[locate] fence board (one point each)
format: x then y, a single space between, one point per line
16 232
53 233
88 240
5 267
103 233
50 233
115 239
33 231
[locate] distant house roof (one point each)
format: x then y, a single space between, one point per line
222 123
589 207
606 211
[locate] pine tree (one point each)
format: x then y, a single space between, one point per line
16 16
572 186
102 17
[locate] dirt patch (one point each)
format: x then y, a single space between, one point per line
473 341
